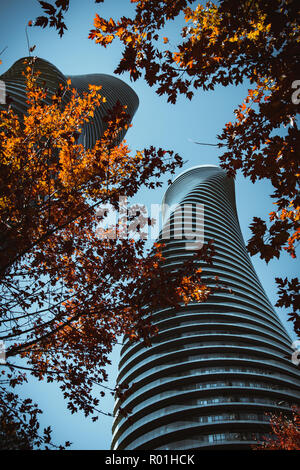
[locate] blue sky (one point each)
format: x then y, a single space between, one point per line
156 123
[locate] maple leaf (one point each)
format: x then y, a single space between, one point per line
41 21
48 8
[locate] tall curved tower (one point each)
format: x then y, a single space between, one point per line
217 367
113 89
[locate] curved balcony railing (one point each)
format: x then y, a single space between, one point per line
214 368
112 88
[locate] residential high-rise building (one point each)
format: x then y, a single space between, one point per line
215 368
13 93
113 89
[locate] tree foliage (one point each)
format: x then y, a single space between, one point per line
285 433
68 294
227 43
223 43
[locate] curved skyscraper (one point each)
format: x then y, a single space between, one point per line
113 89
217 367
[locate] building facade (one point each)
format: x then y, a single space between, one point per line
113 89
217 367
